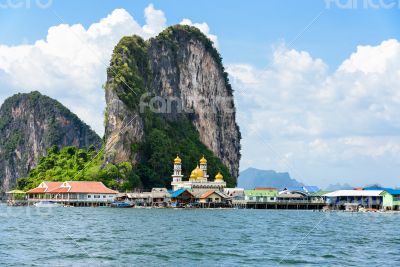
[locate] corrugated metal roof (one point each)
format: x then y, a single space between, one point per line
139 195
354 193
306 189
178 192
160 194
294 189
319 193
261 193
393 191
389 190
311 189
265 188
295 195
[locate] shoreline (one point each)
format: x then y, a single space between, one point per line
206 208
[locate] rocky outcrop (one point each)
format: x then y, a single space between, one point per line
178 73
124 127
29 125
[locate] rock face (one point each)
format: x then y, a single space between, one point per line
123 128
29 125
178 73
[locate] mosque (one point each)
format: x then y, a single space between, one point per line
198 178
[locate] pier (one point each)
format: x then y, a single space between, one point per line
285 205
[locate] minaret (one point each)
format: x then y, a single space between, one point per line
220 180
177 176
203 167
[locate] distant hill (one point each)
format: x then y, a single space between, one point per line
29 125
252 178
373 186
334 187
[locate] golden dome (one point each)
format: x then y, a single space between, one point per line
177 160
193 175
199 172
203 160
219 176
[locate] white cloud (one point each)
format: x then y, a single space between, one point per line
373 59
203 27
347 117
155 21
70 63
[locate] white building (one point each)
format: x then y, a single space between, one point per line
198 178
364 198
72 192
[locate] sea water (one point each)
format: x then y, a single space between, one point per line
32 236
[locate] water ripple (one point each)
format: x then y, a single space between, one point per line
166 237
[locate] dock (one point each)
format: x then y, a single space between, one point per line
283 205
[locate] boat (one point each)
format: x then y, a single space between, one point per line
47 204
121 204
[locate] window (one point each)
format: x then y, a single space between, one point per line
104 196
89 196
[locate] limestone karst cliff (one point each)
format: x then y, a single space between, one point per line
169 95
29 125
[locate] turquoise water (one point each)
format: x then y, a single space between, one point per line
168 237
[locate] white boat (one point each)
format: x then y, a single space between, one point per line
47 204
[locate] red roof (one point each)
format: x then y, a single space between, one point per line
90 187
74 187
36 190
46 187
52 185
60 190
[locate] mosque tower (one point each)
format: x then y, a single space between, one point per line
203 167
177 176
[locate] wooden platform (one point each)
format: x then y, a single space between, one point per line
281 205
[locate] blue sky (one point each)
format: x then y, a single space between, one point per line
316 84
249 27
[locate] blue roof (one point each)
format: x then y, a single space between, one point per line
178 192
393 191
389 190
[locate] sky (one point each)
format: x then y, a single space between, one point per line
316 82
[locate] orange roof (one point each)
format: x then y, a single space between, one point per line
207 194
60 190
74 187
52 185
48 186
36 190
90 187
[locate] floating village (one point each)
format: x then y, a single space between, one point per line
200 191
